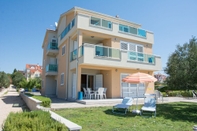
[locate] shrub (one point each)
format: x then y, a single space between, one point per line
32 121
181 92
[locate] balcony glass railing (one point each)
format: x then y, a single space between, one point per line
80 51
107 52
132 30
52 46
51 68
141 57
73 55
67 29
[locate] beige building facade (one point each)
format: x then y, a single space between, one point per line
90 49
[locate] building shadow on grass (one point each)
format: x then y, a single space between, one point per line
120 113
178 111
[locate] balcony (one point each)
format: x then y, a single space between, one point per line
52 49
51 69
95 55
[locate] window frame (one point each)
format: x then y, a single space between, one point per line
62 79
101 23
63 53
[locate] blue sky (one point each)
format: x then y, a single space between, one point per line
23 24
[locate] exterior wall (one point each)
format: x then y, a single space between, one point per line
116 81
62 64
69 18
46 60
107 82
85 25
61 25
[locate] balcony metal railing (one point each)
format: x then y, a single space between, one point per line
141 57
51 68
52 46
107 52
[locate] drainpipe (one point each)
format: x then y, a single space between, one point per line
77 64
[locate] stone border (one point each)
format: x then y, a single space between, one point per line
34 104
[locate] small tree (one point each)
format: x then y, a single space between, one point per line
4 80
38 82
182 67
17 77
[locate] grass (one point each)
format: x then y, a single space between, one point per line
46 102
177 116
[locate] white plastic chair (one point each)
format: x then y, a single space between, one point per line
85 93
104 93
158 95
126 103
99 93
89 93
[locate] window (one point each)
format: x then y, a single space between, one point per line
101 22
123 28
106 24
133 30
62 79
95 21
135 52
124 46
63 49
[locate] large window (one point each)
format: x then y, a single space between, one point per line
135 52
62 79
95 21
101 22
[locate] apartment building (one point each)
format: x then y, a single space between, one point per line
32 71
91 49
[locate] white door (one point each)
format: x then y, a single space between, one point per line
99 81
74 86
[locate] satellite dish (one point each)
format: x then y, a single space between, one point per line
56 24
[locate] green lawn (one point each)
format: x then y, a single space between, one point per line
177 116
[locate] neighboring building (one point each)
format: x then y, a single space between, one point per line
90 49
160 77
32 71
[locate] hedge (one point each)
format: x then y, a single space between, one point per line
178 93
32 121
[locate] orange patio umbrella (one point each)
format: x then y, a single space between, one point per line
139 78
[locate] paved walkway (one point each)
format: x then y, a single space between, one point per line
10 101
61 104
